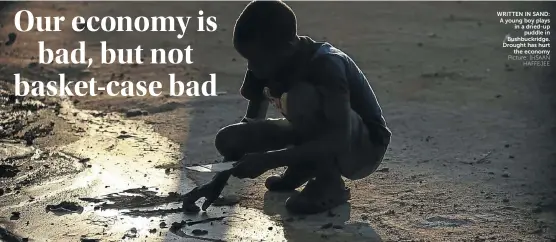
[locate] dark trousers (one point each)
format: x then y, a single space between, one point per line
364 157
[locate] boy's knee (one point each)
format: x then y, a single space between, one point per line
228 140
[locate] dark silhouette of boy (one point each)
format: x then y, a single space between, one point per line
333 124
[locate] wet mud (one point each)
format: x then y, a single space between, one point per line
134 198
114 189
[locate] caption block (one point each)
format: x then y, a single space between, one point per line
530 44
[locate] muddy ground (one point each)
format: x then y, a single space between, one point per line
472 156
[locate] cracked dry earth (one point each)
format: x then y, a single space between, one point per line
472 157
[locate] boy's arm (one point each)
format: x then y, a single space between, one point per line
335 138
256 110
252 90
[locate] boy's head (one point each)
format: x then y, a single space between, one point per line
266 35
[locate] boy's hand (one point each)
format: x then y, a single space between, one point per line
251 166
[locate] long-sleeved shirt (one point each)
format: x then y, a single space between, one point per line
342 83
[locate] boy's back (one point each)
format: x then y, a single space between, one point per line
313 64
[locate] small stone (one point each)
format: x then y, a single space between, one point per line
84 160
15 216
270 228
420 44
505 200
131 233
152 231
505 175
498 96
177 226
511 157
162 225
507 146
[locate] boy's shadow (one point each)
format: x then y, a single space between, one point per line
333 225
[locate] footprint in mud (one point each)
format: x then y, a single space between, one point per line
65 208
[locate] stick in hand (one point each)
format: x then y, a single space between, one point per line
210 191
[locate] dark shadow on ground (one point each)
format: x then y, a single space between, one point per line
8 236
330 226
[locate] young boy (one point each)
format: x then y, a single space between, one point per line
333 124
